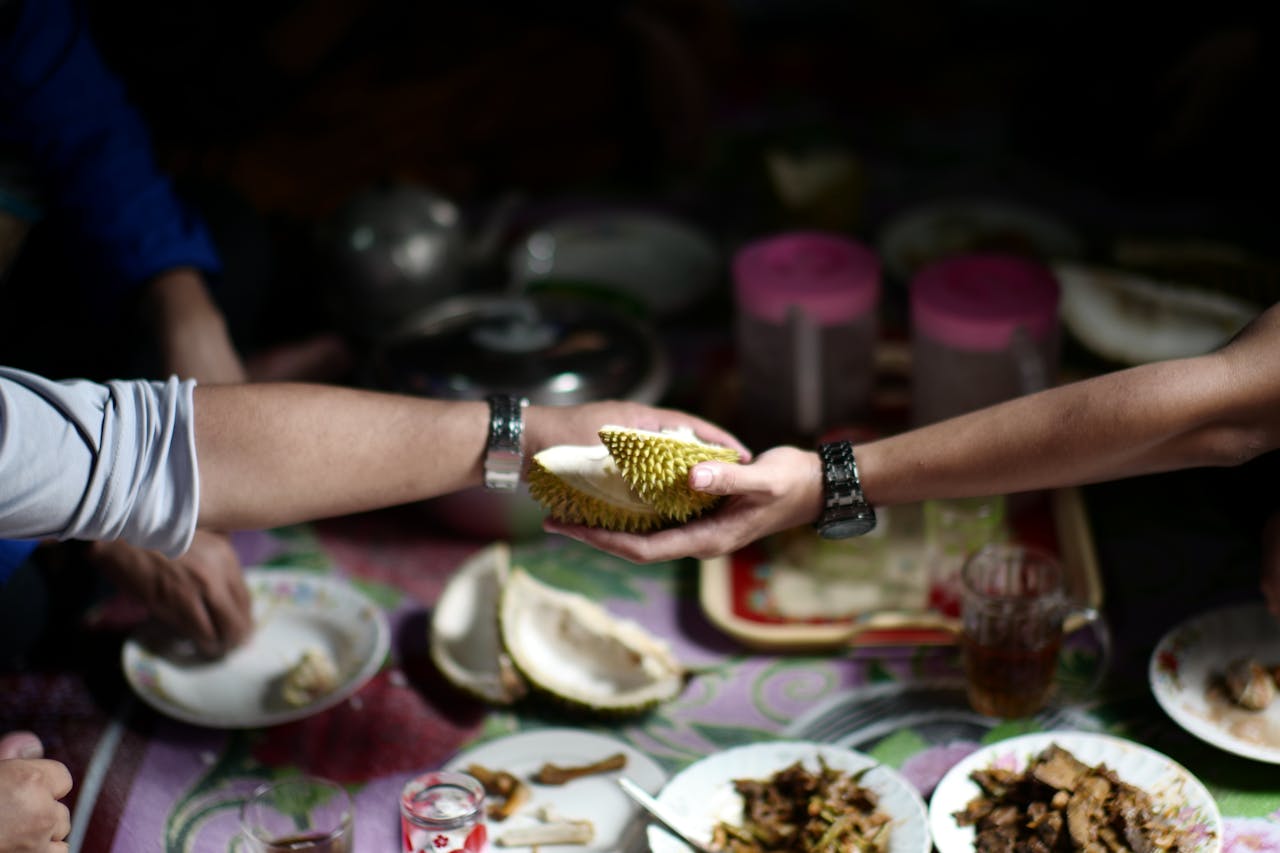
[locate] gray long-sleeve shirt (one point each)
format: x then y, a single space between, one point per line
82 460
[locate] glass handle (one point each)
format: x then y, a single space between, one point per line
1090 618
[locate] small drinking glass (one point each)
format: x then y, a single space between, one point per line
954 529
1013 611
443 811
301 814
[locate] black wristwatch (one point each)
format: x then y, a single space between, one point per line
504 456
845 512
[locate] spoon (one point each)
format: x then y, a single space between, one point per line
669 821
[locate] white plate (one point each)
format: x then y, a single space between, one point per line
703 793
292 612
1189 655
1170 784
659 262
597 798
1132 319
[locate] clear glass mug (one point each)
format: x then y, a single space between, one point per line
301 813
1015 612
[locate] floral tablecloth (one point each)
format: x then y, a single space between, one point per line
148 783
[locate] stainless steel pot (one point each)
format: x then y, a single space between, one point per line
552 349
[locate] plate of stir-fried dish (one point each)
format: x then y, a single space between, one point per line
794 796
1067 791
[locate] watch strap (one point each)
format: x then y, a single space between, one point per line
504 458
842 498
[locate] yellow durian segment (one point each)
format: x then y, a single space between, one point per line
656 467
581 485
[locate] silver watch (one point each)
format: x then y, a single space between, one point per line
503 457
845 512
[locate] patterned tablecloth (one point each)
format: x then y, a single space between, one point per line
147 783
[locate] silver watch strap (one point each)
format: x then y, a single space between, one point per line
503 458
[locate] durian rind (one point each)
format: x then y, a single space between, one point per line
579 484
656 466
465 644
574 652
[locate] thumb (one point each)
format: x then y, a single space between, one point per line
719 478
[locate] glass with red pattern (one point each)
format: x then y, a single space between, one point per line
443 812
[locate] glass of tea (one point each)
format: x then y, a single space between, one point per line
1014 605
301 814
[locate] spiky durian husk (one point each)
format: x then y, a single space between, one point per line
576 653
656 466
582 485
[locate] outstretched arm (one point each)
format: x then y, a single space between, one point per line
1218 409
280 453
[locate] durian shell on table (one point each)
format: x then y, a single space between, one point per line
573 650
499 634
465 643
634 480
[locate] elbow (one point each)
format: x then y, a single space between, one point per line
1228 446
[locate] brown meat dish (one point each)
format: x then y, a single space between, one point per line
1061 804
805 812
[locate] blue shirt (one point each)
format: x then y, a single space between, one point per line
65 114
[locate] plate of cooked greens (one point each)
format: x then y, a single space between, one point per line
1072 791
761 797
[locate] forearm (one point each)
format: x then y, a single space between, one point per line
194 340
281 453
1157 417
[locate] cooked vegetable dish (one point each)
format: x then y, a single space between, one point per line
798 810
1059 803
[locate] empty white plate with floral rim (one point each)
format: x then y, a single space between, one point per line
1191 658
1170 785
294 613
703 793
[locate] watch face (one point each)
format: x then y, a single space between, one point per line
843 528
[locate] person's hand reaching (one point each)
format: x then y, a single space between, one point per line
201 595
32 820
781 489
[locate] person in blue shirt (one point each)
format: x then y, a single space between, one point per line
113 222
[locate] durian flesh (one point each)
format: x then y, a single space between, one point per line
635 480
582 485
570 647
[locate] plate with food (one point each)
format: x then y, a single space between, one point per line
733 796
1218 676
316 640
1095 788
556 789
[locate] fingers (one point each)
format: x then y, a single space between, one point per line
21 744
226 595
57 777
61 825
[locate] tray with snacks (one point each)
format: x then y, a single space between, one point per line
796 592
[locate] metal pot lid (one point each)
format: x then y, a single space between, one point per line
553 350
